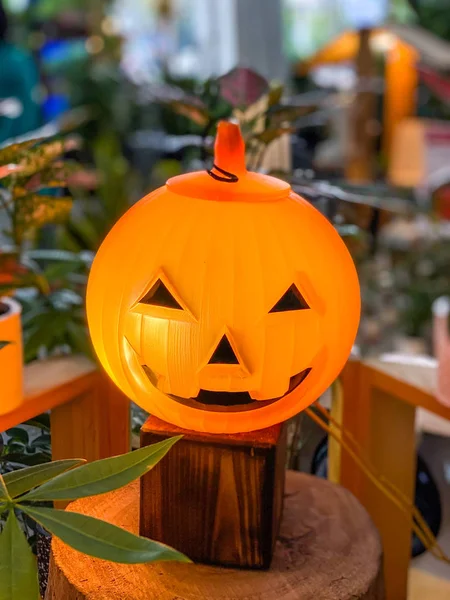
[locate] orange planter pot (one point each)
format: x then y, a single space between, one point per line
11 356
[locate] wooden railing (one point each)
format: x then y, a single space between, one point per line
378 409
90 417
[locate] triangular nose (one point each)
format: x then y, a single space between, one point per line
224 354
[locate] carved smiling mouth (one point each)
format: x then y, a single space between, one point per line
227 401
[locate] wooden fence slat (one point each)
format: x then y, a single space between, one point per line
392 450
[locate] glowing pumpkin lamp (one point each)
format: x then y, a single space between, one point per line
223 302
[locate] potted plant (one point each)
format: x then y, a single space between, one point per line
32 181
28 494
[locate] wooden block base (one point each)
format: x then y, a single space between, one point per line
217 498
328 549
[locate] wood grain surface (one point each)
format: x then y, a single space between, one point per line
217 498
328 549
49 383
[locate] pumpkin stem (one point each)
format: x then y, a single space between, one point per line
229 149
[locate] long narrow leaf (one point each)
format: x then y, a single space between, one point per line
18 434
101 539
4 495
21 481
29 460
37 158
13 152
36 210
40 422
103 475
18 572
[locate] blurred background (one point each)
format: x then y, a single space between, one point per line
348 100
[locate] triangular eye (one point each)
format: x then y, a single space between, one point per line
291 300
159 295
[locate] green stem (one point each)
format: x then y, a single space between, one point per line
260 156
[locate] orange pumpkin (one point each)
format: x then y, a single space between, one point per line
223 302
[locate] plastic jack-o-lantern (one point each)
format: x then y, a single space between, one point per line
223 302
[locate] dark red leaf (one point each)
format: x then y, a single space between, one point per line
242 87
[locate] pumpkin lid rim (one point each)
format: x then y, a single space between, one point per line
251 187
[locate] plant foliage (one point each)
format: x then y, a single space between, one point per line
24 491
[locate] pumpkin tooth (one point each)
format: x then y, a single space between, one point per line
296 380
224 398
236 401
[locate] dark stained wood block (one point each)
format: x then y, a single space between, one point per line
217 498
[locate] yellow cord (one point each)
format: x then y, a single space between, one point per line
355 451
401 497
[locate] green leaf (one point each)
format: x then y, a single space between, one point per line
41 156
3 344
35 210
14 447
75 118
13 152
101 539
269 135
4 494
42 441
18 572
18 434
285 113
102 475
40 421
78 337
55 175
21 481
83 234
26 459
54 255
61 270
275 93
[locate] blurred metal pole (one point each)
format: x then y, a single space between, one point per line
259 32
248 33
215 23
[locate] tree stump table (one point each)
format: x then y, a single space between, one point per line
328 549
